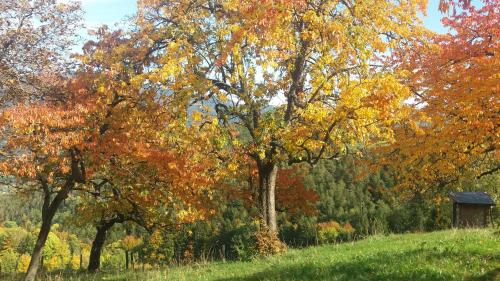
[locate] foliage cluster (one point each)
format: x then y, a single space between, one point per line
62 251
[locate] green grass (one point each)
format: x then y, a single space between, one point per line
443 255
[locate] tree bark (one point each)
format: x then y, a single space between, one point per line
49 209
96 250
126 259
132 260
267 194
100 238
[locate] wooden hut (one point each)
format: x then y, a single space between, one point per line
471 209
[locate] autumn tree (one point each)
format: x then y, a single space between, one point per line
147 195
35 39
453 132
446 5
43 152
62 143
151 170
304 80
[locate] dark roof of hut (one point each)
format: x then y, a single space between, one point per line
479 198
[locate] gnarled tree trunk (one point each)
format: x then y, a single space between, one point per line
96 250
50 207
48 211
99 240
267 194
132 260
126 260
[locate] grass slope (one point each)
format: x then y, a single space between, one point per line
444 255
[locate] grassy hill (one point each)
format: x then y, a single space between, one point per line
444 255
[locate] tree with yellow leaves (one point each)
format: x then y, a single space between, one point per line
299 80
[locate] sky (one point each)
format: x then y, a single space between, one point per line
98 12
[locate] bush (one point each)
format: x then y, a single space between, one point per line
24 262
56 253
26 244
75 262
5 242
268 243
242 242
235 232
331 232
328 232
8 261
159 249
204 239
9 238
113 259
346 232
400 220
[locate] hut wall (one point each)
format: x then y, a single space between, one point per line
472 215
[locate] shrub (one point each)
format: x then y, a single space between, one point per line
268 243
346 232
5 242
113 259
159 249
242 242
56 253
332 231
24 262
26 244
8 261
328 232
75 262
400 220
235 232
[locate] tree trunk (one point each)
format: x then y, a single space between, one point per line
267 192
126 259
100 238
37 251
48 211
132 260
97 244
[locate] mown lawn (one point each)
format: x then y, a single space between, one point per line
443 255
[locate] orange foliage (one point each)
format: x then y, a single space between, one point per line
454 130
117 138
144 149
291 193
130 242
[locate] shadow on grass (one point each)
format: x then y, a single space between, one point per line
488 276
383 266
